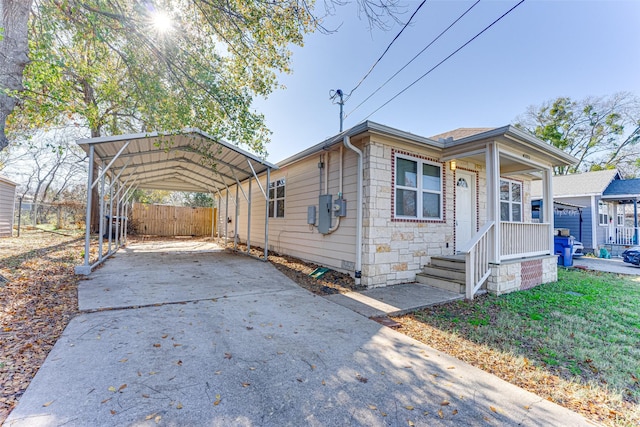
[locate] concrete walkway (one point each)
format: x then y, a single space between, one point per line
221 339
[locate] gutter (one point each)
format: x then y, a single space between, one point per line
358 270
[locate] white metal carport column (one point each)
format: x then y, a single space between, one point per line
85 268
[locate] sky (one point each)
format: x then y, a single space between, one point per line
536 53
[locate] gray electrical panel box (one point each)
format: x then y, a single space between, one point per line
311 215
340 207
325 207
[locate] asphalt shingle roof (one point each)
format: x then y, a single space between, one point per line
579 184
460 133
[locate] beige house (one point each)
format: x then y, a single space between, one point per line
391 207
384 205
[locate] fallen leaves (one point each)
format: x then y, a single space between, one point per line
217 401
37 303
227 356
48 403
361 378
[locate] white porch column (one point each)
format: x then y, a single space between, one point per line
547 204
492 160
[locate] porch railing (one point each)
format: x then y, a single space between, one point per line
520 239
623 235
476 255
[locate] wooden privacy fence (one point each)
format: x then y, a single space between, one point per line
160 220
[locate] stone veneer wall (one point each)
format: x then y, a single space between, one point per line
518 275
394 250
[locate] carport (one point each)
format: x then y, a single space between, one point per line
189 161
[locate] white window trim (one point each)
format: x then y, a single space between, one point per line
418 189
274 185
511 202
606 214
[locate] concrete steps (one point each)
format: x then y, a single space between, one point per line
447 272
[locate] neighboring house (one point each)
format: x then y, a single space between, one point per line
608 208
392 207
7 206
621 200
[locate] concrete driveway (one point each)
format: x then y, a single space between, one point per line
220 339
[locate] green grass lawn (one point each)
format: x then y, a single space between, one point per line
585 327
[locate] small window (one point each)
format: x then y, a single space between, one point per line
603 213
418 189
276 198
462 183
511 201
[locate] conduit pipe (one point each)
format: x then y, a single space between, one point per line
358 271
337 225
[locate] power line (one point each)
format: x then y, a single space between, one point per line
444 60
413 59
387 49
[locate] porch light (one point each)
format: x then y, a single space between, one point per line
452 165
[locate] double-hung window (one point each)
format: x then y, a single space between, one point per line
418 189
603 213
510 200
276 198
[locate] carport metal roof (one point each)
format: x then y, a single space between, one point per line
190 161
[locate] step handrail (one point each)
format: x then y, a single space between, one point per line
476 256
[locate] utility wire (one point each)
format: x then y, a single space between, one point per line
444 60
387 49
413 59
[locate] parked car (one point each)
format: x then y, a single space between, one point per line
578 249
632 255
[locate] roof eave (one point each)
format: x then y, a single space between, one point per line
361 128
509 130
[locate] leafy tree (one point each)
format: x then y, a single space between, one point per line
159 197
116 65
198 200
601 133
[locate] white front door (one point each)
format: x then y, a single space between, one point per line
465 207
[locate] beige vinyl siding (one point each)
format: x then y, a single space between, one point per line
7 206
292 235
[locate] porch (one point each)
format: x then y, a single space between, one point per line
510 251
525 261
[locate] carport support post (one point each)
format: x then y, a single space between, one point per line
226 218
101 228
235 226
85 269
266 217
213 216
111 184
249 220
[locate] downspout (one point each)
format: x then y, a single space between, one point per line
358 272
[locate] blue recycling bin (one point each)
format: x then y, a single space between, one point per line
563 247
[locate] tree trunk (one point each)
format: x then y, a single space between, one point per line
13 56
